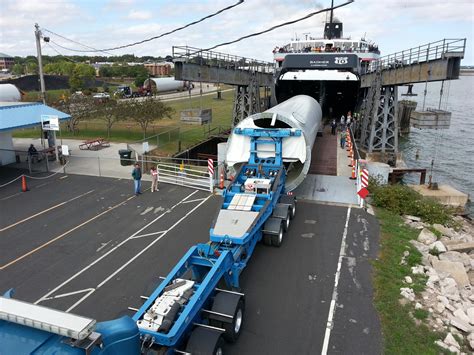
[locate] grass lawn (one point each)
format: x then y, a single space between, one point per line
126 131
401 334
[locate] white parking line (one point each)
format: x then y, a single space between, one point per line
196 200
112 250
342 254
46 210
69 294
134 257
148 234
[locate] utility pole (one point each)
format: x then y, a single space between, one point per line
40 62
51 134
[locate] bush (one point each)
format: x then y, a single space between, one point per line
402 200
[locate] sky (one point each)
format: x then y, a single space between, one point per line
394 25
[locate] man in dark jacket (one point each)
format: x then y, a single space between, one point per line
137 178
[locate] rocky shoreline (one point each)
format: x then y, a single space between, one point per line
448 267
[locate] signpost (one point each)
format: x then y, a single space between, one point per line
51 123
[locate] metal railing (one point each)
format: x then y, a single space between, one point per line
191 173
420 54
217 59
182 175
42 162
160 139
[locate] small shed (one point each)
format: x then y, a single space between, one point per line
14 115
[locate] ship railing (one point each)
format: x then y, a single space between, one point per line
217 59
424 53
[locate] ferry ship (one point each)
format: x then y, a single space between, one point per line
326 68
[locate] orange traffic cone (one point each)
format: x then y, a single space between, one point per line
352 163
353 177
24 187
221 182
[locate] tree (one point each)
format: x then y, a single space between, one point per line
31 68
110 112
80 107
146 111
140 79
18 69
80 74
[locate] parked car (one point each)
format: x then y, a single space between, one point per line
101 95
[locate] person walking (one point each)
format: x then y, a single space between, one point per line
333 127
137 178
154 179
342 121
342 139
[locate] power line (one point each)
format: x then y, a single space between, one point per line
151 38
73 41
275 27
62 55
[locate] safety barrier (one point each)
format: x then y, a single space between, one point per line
423 53
191 173
358 166
218 59
179 174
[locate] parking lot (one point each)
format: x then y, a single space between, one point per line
87 245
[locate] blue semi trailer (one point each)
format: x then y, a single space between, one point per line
199 304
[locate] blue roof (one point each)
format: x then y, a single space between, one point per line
15 115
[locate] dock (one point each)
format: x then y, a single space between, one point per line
87 245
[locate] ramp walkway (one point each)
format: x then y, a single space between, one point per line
323 155
328 179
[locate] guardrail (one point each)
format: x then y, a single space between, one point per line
424 53
217 59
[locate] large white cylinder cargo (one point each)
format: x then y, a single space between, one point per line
300 112
9 93
165 84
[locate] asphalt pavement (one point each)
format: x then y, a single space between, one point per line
89 246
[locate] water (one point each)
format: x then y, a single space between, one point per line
452 149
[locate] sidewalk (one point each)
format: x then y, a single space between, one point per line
103 162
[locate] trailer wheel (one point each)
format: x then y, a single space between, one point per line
205 342
277 239
229 304
293 210
267 239
286 222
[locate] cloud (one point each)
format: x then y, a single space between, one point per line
139 15
393 24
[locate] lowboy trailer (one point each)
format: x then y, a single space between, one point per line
199 304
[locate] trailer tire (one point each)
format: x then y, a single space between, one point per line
293 210
277 239
205 342
267 239
286 222
229 304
